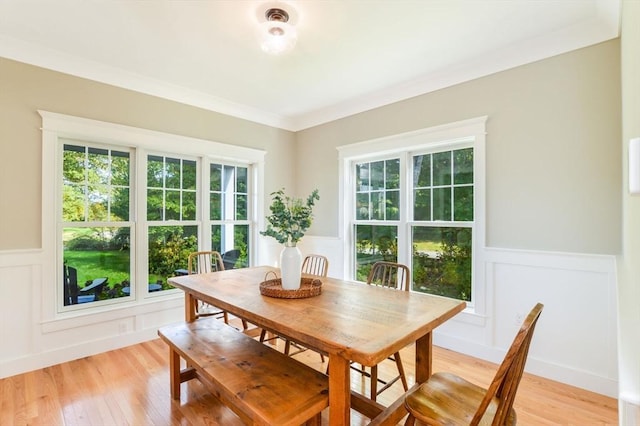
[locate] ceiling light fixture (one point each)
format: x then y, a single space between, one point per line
277 36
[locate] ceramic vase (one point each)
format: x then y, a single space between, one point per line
290 267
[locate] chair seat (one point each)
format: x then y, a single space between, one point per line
446 399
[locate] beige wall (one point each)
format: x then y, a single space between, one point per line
629 264
25 89
553 150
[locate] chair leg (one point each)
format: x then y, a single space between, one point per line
287 347
410 421
374 382
396 356
263 334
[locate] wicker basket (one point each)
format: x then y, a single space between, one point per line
309 287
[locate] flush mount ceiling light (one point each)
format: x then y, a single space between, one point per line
276 35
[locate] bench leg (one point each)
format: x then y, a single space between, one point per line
174 373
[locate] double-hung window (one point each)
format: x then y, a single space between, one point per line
127 207
418 199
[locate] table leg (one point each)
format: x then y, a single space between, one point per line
339 391
189 307
424 356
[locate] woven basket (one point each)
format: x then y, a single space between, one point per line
309 287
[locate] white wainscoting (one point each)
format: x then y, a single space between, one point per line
575 341
29 342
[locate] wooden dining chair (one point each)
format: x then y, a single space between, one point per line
446 398
313 264
202 262
393 276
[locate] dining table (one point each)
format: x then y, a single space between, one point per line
349 321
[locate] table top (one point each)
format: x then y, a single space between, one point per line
360 322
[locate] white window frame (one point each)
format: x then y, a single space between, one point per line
471 132
57 127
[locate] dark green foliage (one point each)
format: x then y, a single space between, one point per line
290 217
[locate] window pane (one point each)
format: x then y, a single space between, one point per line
463 203
216 177
377 204
241 181
422 204
377 175
98 202
442 203
119 168
241 207
215 206
374 243
442 168
463 166
216 238
362 177
155 204
169 248
73 164
97 264
393 205
189 174
172 173
73 203
422 170
442 261
120 205
155 172
188 205
362 206
393 174
172 205
98 166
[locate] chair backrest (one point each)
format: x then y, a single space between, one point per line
71 289
315 264
201 262
389 274
229 258
507 378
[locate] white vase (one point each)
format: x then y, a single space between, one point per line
290 267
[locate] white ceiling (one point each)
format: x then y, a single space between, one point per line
351 56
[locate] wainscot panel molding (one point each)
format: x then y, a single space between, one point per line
575 340
30 343
578 291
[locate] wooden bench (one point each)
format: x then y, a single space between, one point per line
261 385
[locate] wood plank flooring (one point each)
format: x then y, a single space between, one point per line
130 386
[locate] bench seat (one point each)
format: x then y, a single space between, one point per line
261 385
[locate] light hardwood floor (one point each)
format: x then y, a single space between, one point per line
130 386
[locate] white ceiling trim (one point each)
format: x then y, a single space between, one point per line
604 27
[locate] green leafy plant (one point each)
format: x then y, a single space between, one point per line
290 217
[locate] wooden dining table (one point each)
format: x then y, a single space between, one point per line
349 321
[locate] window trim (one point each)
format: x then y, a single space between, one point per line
57 126
423 140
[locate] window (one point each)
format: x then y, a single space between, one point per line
418 199
131 209
95 224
